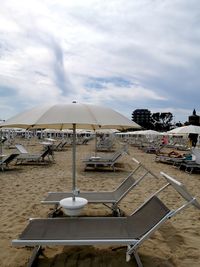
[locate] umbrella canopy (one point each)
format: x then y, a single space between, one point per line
144 132
64 116
185 130
73 115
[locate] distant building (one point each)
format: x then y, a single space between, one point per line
194 119
142 117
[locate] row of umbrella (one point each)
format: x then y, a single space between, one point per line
183 130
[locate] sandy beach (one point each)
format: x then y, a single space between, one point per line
177 243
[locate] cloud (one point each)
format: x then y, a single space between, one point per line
127 54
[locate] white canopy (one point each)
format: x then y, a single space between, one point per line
185 130
64 116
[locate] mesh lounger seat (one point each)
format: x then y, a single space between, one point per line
131 231
110 199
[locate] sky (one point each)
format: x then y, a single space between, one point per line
124 54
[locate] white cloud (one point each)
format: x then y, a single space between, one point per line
52 48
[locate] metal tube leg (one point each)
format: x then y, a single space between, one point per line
137 258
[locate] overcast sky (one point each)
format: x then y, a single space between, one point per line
125 54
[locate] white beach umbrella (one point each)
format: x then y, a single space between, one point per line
66 116
147 132
185 130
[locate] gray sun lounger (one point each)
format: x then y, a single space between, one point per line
35 158
176 161
192 165
102 162
7 160
60 146
110 199
131 231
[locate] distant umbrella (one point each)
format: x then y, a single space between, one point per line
185 130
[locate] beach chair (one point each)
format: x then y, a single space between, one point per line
3 139
110 199
36 158
86 140
60 146
5 161
102 162
154 148
176 161
105 145
192 165
131 231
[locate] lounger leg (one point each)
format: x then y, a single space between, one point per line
56 212
137 258
116 210
36 253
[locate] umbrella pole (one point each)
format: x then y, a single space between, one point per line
95 154
74 162
1 145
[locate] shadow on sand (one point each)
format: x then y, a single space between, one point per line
89 256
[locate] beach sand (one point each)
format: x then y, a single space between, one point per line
176 243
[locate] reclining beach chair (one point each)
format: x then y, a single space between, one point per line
110 199
102 162
4 162
105 145
192 165
131 231
35 158
174 160
153 148
61 145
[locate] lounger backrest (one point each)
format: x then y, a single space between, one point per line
9 158
21 148
180 188
58 145
116 155
46 152
124 187
148 216
63 143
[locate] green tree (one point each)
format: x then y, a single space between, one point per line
162 121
